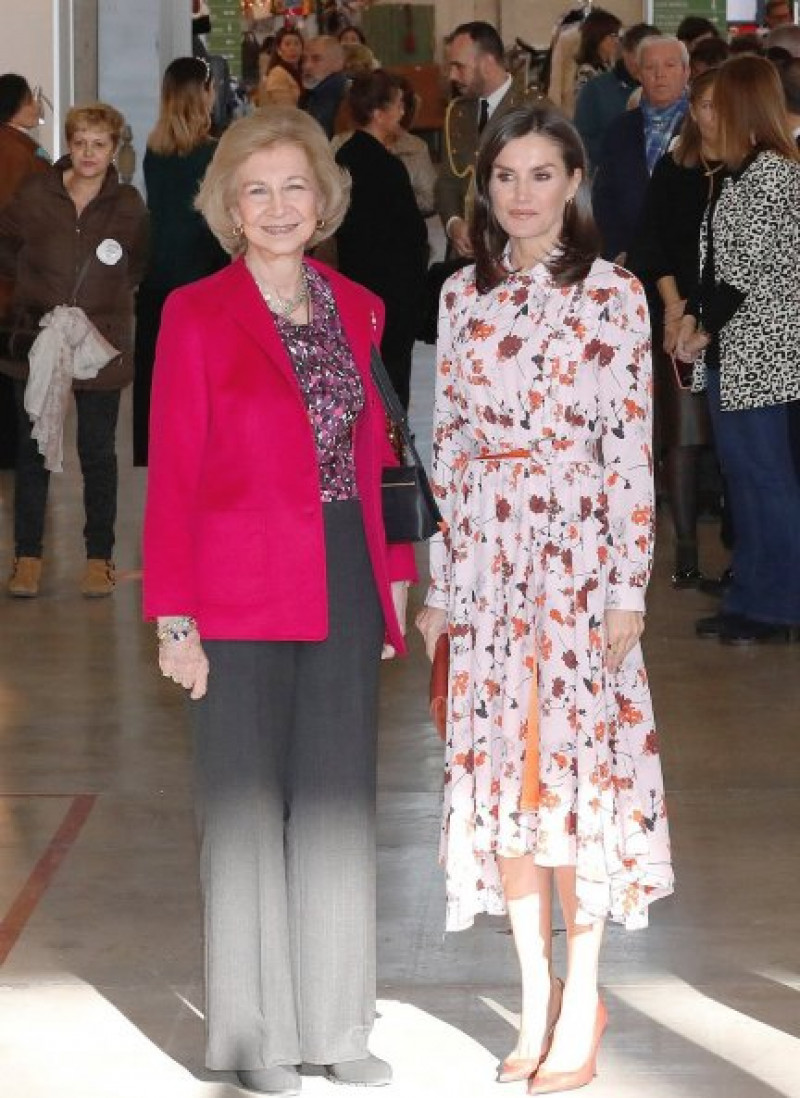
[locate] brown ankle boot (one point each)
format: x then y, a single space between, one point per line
25 577
98 579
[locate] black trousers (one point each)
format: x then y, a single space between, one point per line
8 424
284 749
98 411
397 351
149 306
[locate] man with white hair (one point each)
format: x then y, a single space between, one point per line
637 140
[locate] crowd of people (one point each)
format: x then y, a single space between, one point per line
649 248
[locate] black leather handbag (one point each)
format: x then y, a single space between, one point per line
409 509
18 335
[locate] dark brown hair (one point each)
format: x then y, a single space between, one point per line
687 148
482 35
694 27
789 74
746 43
15 92
411 101
579 240
371 91
283 33
751 110
184 119
351 28
709 52
597 25
637 33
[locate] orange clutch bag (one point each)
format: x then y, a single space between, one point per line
440 673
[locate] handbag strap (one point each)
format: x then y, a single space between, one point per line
391 402
73 300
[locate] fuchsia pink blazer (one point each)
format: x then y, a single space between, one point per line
233 530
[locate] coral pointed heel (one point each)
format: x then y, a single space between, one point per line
555 1082
513 1071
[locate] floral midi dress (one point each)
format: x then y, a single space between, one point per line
542 468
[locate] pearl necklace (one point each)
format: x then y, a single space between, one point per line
283 307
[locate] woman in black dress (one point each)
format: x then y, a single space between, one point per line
666 258
182 247
383 241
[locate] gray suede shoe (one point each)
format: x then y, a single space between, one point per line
369 1072
280 1079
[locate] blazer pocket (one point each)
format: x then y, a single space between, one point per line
232 557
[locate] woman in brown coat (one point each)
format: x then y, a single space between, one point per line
75 236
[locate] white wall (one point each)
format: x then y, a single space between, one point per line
36 41
532 20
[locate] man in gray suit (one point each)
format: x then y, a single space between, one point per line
476 62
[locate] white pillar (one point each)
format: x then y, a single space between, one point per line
135 43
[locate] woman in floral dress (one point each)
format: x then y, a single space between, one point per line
543 472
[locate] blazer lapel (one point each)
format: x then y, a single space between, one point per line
249 310
361 329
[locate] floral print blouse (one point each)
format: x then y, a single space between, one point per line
331 386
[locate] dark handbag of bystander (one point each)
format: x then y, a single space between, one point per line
18 334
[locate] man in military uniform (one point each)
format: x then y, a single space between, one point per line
476 65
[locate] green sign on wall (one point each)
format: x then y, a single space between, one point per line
226 32
667 14
400 34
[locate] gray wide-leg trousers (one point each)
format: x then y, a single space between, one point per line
284 746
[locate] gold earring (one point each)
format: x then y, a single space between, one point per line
238 230
321 223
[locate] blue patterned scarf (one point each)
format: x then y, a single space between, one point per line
660 124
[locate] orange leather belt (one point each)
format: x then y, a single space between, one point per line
529 792
506 454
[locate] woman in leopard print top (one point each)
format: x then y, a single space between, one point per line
743 333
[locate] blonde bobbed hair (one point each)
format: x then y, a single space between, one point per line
268 127
94 116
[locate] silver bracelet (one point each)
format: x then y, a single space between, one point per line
176 630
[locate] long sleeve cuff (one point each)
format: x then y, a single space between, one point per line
437 597
624 597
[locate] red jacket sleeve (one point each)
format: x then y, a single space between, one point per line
178 426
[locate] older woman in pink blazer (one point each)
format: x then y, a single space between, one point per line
275 592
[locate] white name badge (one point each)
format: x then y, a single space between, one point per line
109 251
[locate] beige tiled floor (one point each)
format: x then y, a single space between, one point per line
100 996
